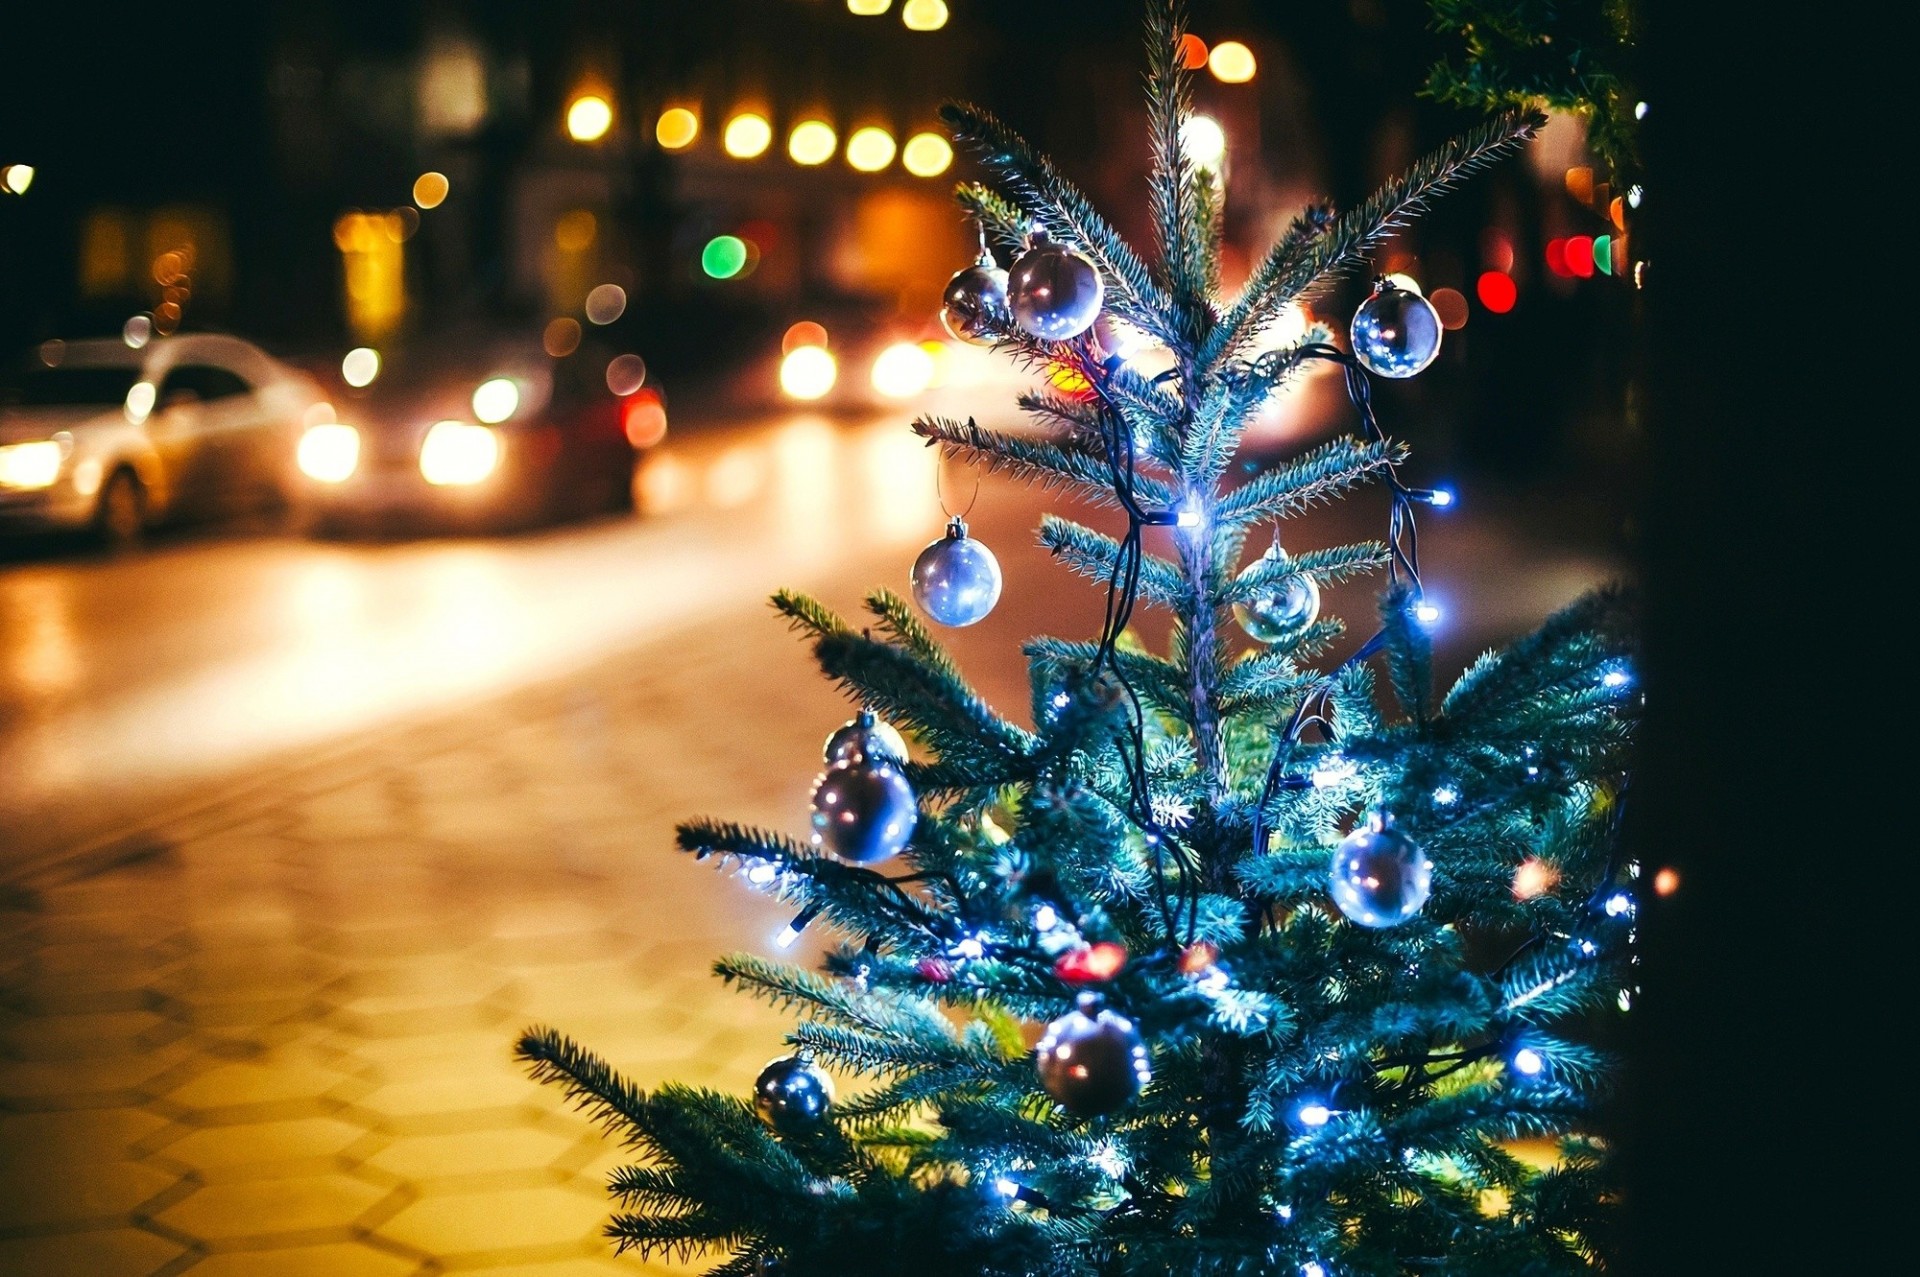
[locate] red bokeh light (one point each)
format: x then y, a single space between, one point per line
1193 52
644 417
1557 257
804 333
1579 254
1451 305
1497 292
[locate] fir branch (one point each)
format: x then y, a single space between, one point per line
1161 683
1085 472
1328 566
898 622
940 708
807 615
1094 554
1180 228
1300 262
1039 190
1331 468
1006 226
1079 417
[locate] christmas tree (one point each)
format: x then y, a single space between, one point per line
1222 966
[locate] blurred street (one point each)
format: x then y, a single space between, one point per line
299 834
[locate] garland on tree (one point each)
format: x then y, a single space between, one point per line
1218 968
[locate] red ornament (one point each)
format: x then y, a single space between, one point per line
1198 958
1094 964
938 970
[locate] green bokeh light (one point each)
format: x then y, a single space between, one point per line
1603 253
724 256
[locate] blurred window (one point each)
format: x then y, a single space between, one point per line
204 381
67 387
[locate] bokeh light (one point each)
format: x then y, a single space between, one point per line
430 189
926 155
1451 305
328 452
724 256
562 337
812 142
1232 62
1578 252
1497 291
924 15
1580 183
360 366
902 370
1406 282
1556 255
676 128
496 399
606 303
458 453
644 418
575 231
137 331
140 401
16 178
868 8
808 372
1193 52
626 374
1496 249
589 116
1666 881
1205 141
804 333
870 149
1603 253
747 136
1534 877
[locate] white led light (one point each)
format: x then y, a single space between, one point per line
1443 496
1315 1115
1187 519
1283 1213
1108 1161
1061 700
1625 1000
762 872
1639 110
1588 948
496 400
1615 678
788 934
969 948
1619 903
1528 1061
1446 796
1635 194
1312 1268
1006 1187
1426 613
1046 918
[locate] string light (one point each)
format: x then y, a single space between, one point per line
1446 796
1426 613
791 932
1618 903
1314 1114
1528 1061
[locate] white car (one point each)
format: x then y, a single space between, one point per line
97 436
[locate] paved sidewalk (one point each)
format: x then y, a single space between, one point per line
272 1038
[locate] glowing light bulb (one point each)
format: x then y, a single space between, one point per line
1618 903
676 128
926 155
589 117
1204 141
924 15
1232 62
811 142
496 400
870 149
788 934
1446 796
762 872
747 136
808 372
1312 1268
1443 496
1314 1115
1283 1213
1006 1187
970 947
1615 678
902 370
430 189
360 366
1045 918
16 178
1426 613
1528 1061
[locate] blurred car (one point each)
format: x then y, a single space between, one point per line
469 432
97 436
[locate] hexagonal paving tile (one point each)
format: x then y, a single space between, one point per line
68 1037
276 1207
264 1149
340 1259
432 1093
502 1220
73 1135
108 1252
428 1157
229 1086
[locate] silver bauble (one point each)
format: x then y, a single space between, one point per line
956 580
1283 607
1379 877
1053 292
1396 332
1092 1060
974 307
863 737
863 810
792 1095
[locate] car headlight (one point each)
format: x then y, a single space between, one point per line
31 465
458 453
329 452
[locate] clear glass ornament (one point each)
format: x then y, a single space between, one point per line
1092 1060
956 580
974 306
1054 292
1283 607
792 1095
865 736
1396 332
1379 876
863 811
